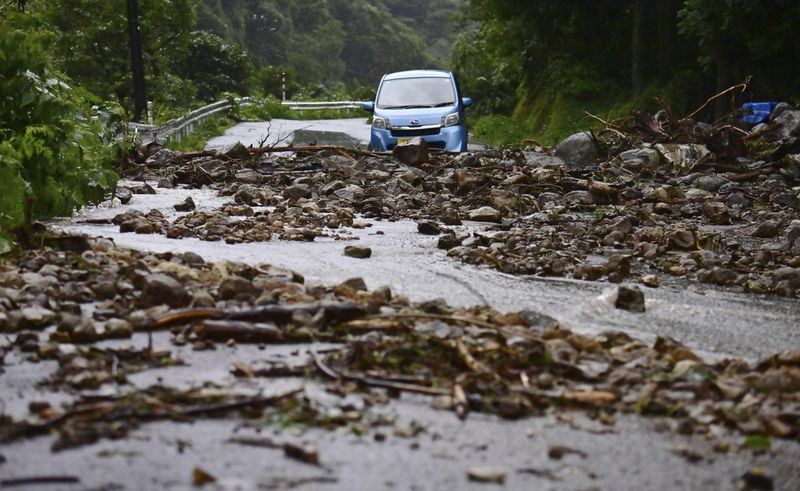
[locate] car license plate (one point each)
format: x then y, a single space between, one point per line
403 140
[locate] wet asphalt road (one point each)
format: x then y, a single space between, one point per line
635 454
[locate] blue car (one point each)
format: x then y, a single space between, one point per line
419 103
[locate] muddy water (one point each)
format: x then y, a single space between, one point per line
710 321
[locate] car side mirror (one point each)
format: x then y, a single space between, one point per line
368 106
466 101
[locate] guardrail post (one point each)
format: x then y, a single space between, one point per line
149 112
283 86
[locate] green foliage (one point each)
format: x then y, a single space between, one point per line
216 66
543 64
52 144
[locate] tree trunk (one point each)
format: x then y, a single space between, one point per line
665 33
722 106
637 47
137 63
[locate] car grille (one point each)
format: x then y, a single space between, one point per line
397 132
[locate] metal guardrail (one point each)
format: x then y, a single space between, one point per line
305 106
178 128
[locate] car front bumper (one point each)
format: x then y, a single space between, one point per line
450 139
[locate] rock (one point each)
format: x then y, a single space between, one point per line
118 329
166 183
235 286
358 252
185 205
245 195
149 149
237 151
357 284
36 317
579 198
683 240
641 158
716 213
413 152
449 241
428 227
192 258
630 298
767 230
160 289
681 155
719 276
349 192
485 214
143 188
297 191
487 474
124 195
247 176
162 157
711 183
578 150
502 198
784 126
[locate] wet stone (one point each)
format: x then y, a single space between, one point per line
630 298
185 205
428 228
160 289
485 214
358 252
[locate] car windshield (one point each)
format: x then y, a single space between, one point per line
409 93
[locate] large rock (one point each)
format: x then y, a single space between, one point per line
237 151
297 191
413 152
630 298
784 126
185 205
486 214
578 150
160 289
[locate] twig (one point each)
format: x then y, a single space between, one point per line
456 318
27 481
742 86
376 382
605 123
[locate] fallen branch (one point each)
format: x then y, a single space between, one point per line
376 382
27 481
455 318
239 331
741 86
279 314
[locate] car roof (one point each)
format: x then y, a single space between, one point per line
417 74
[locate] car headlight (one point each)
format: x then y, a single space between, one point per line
380 123
451 119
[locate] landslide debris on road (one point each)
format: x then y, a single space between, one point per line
65 306
649 200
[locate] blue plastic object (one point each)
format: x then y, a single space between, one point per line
757 112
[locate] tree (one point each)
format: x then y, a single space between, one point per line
137 65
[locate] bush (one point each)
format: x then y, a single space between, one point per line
53 152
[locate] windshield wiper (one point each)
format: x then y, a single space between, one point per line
443 104
412 106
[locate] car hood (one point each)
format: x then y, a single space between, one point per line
421 116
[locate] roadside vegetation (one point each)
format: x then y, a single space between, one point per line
536 68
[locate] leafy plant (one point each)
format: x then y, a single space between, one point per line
53 146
